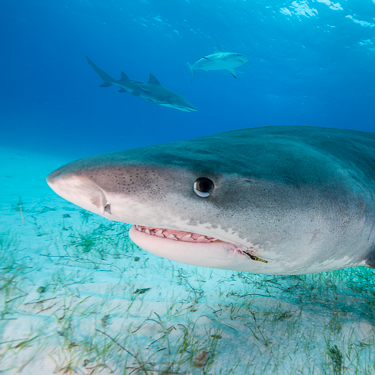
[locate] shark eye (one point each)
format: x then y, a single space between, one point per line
203 187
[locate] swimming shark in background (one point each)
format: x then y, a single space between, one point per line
219 61
151 92
276 200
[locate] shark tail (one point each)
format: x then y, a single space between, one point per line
108 80
192 71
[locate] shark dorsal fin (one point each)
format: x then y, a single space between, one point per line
153 80
218 48
124 77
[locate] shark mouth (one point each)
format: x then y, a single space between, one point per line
182 236
176 235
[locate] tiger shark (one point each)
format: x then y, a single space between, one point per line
219 61
151 92
281 200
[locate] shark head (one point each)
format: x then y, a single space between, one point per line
241 59
178 102
168 200
243 200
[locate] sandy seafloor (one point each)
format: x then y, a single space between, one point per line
77 297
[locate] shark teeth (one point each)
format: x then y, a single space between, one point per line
187 238
203 239
172 237
176 235
159 233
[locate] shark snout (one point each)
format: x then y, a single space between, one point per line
78 189
55 175
189 109
242 58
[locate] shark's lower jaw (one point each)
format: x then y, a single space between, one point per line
189 247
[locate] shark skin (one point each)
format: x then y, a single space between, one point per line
219 61
151 92
281 200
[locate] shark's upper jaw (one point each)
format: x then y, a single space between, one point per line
176 235
186 236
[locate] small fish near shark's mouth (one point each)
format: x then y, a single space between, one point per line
168 236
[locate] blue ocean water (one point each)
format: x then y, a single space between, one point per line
310 63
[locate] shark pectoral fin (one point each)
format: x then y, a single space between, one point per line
218 48
233 72
152 79
122 90
106 84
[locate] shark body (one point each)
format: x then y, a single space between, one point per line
219 61
151 92
274 200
